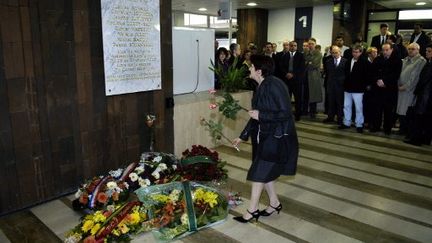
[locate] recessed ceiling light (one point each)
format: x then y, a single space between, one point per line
420 3
251 4
202 9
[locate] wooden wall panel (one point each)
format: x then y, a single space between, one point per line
252 27
57 126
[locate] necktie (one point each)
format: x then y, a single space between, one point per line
291 62
335 62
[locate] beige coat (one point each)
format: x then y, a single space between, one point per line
411 68
313 64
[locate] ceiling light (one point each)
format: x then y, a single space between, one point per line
251 4
202 9
420 3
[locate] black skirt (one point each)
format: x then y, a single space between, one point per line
267 167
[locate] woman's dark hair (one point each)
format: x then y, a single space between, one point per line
221 49
392 38
263 63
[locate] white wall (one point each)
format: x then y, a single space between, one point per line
281 25
188 73
322 25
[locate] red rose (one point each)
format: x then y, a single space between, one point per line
83 199
102 197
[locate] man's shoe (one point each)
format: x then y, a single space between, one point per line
343 127
360 129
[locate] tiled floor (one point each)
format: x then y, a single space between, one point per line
349 188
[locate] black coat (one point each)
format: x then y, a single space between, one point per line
277 58
274 138
423 91
376 42
335 75
299 67
389 71
423 41
356 79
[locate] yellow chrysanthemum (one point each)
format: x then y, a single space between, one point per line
116 232
133 218
207 197
99 217
123 228
95 229
161 198
211 199
88 224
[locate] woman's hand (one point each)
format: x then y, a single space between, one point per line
254 114
236 142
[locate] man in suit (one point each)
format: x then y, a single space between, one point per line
356 79
420 37
339 42
292 69
235 52
379 40
385 86
268 49
335 75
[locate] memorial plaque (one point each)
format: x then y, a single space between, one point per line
131 45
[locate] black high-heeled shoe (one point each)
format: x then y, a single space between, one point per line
255 215
276 209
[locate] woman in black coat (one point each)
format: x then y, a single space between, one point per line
274 138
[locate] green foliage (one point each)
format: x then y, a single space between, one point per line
229 106
215 129
234 79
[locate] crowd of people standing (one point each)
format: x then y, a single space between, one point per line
371 87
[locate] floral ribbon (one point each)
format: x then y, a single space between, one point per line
115 219
92 202
197 159
189 206
128 170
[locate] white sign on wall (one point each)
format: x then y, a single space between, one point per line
131 45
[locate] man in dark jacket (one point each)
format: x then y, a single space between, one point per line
420 37
356 79
379 40
420 131
292 71
388 69
335 75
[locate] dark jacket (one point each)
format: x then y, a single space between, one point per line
423 91
299 66
335 75
356 79
271 99
389 71
423 41
376 42
402 50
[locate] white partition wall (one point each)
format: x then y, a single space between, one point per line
192 51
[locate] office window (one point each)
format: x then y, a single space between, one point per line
195 20
220 24
415 14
